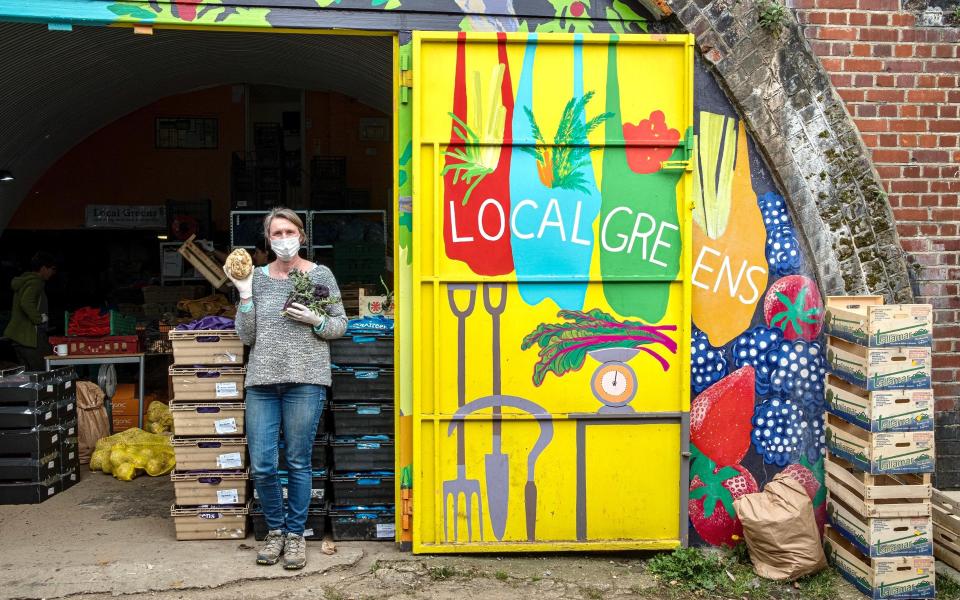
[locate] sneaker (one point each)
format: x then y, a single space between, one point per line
272 548
295 552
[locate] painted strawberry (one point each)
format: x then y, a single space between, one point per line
647 158
804 477
712 492
720 418
810 476
793 304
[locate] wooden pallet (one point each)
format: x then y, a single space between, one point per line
204 265
876 496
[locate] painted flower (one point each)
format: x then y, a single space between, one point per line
647 159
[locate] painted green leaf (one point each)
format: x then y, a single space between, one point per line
132 11
714 158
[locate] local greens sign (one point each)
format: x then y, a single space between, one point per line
118 216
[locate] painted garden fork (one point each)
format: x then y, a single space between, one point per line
468 488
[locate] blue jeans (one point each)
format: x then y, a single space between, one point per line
298 407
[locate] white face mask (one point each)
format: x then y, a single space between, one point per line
286 248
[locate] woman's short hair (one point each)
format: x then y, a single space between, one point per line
283 213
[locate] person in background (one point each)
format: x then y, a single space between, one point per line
261 255
286 384
29 313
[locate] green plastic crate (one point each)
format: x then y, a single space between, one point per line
120 324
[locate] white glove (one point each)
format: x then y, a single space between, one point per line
299 312
244 286
44 318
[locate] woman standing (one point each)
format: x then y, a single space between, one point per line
287 375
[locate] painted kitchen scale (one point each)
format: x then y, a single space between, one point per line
551 336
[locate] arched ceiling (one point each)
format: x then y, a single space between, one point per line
56 87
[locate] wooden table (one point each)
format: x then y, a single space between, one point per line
104 359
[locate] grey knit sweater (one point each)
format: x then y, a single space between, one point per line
283 350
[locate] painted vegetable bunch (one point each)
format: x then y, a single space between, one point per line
316 297
564 346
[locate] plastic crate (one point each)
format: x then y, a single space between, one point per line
34 443
316 525
362 385
362 419
363 453
34 469
318 487
30 492
69 454
363 523
29 388
118 325
320 458
363 487
362 350
111 344
25 416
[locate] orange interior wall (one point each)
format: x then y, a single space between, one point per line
333 129
119 164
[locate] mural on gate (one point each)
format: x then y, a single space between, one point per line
757 362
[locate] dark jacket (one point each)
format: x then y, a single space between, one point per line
25 314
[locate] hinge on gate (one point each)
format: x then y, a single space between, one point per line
406 78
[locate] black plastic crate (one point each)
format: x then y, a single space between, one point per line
69 478
363 453
30 492
316 525
362 419
24 387
363 523
65 380
31 469
363 487
67 409
318 487
319 460
69 453
35 442
362 385
25 416
68 429
362 350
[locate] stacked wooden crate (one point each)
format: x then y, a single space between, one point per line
211 481
880 446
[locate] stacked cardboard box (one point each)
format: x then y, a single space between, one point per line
38 434
880 447
211 481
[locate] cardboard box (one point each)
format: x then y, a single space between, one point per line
373 306
124 422
210 454
880 578
879 368
880 453
208 419
210 523
885 536
210 487
211 384
124 401
206 347
880 410
866 321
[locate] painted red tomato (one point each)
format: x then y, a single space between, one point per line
646 159
577 9
794 305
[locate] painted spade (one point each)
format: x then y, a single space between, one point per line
497 463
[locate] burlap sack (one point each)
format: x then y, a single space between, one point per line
781 530
92 421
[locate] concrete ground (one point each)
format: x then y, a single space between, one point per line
105 538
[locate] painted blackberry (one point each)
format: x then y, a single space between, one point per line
780 431
798 372
708 364
783 251
773 209
752 348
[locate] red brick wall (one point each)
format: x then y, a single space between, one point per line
900 84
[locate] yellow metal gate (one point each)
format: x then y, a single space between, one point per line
551 292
